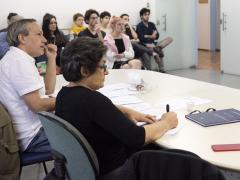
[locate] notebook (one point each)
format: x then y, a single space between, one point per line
214 118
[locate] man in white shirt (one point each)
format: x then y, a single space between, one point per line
21 86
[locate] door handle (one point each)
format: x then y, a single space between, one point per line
164 22
224 22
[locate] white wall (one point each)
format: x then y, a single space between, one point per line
204 28
181 26
64 9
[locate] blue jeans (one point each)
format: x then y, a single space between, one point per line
39 143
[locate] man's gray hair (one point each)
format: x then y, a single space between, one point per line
17 28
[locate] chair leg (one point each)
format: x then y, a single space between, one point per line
45 168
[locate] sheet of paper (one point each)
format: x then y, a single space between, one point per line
139 106
169 132
113 87
117 93
175 130
123 100
182 102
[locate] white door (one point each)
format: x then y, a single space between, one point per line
230 37
177 18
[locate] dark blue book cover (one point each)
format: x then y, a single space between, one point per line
214 118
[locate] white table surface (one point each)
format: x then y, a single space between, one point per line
192 137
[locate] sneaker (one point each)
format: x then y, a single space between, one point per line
162 71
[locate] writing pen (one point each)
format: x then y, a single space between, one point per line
167 108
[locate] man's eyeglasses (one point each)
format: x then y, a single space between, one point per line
94 18
207 110
103 66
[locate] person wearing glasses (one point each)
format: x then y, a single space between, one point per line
120 52
22 89
110 129
91 18
53 34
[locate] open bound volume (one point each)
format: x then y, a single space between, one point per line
214 118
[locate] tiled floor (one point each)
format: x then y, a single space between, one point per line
35 172
208 69
209 60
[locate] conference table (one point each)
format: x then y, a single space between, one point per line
191 137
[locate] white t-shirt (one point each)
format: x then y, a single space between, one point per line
19 76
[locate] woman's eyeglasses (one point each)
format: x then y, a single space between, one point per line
54 22
103 66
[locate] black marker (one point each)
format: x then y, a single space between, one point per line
167 108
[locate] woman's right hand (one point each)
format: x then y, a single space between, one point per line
170 119
156 130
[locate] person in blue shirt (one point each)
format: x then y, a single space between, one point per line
3 44
147 31
4 47
148 34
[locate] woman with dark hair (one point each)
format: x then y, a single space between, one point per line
109 129
53 34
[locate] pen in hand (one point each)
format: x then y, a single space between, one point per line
167 108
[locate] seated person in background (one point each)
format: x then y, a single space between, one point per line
4 47
21 86
53 34
147 33
141 51
120 53
94 29
78 26
110 129
104 21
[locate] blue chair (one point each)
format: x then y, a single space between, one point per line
81 160
30 158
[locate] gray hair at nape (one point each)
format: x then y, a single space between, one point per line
17 28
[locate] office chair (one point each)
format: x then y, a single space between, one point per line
81 160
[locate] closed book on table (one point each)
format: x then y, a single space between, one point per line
214 118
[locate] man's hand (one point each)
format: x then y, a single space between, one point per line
97 28
50 77
154 35
147 36
50 51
